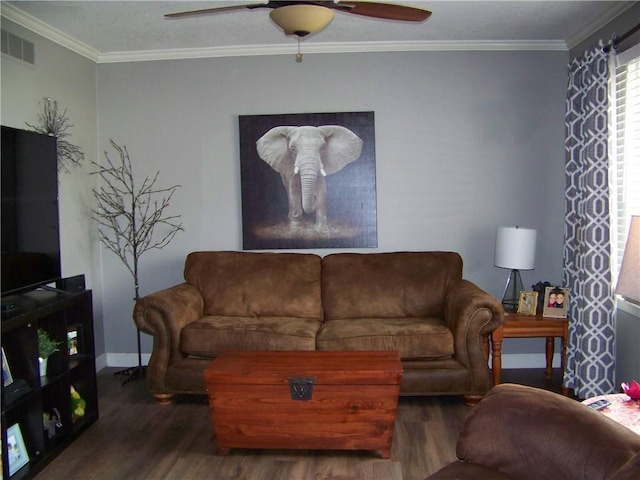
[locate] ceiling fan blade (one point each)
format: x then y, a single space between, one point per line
209 11
384 10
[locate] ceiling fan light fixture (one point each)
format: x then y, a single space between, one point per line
301 20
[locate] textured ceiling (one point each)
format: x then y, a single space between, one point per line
116 27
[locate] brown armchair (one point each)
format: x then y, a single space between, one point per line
523 433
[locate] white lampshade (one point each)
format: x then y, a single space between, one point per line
301 20
515 248
629 279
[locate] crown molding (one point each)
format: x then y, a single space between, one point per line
33 24
614 11
350 47
36 26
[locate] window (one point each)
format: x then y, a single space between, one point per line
625 145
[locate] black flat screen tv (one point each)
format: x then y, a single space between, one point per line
30 234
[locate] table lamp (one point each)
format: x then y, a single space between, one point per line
629 279
515 249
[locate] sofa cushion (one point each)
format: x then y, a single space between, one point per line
411 337
246 284
210 335
388 285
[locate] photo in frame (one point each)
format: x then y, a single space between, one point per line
528 303
74 339
556 301
16 449
7 378
308 180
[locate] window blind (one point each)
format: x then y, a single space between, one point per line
625 144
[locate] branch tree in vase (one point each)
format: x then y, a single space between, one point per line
129 217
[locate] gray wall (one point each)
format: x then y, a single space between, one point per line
627 341
465 142
70 80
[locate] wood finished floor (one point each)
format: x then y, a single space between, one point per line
137 439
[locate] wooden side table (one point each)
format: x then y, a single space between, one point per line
527 326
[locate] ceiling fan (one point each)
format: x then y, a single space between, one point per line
302 18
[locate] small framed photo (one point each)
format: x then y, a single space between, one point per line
16 449
7 378
528 303
556 300
74 337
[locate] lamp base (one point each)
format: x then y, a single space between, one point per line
511 296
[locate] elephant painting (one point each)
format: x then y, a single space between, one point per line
304 156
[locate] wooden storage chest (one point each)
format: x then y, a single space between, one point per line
304 400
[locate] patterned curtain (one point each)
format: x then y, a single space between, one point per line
591 351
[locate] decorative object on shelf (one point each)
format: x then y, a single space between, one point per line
78 405
631 389
46 347
7 378
51 421
556 301
74 340
16 450
56 124
629 279
516 250
540 288
528 303
128 219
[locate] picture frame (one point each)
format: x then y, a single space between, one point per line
556 301
336 210
7 378
17 453
528 303
74 340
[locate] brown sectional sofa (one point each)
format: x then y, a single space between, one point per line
416 303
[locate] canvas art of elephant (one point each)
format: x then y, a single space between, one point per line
304 156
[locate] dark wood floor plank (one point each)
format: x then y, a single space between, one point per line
135 438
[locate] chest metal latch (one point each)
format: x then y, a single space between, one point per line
301 388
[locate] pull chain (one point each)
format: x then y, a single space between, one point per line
299 54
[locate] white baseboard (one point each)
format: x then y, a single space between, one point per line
120 360
101 362
528 360
509 360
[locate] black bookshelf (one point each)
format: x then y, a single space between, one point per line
39 415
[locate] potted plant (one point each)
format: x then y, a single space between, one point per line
46 347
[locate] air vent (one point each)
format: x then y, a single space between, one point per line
18 47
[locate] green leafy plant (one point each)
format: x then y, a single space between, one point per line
46 345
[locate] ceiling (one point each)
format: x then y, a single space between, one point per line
126 30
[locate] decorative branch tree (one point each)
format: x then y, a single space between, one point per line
56 124
128 219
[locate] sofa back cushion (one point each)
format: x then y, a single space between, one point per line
250 284
388 285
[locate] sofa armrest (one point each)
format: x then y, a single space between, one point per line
163 315
530 433
472 314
